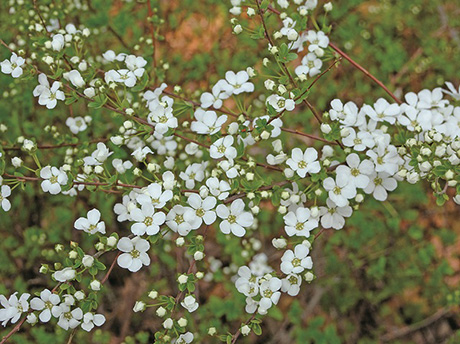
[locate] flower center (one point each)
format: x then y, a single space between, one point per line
92 228
268 293
200 212
380 160
293 280
48 304
163 119
281 103
354 172
148 221
337 190
179 219
231 219
54 180
135 253
299 226
357 141
155 201
68 316
221 149
296 262
378 181
302 164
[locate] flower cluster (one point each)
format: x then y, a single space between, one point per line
181 168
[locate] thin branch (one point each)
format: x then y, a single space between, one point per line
365 71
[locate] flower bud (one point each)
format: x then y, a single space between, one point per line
87 261
182 279
168 324
95 285
139 306
245 330
161 311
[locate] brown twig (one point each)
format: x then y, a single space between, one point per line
365 71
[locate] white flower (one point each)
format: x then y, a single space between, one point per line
207 122
141 153
135 253
75 78
311 65
238 83
13 66
382 111
379 184
13 308
53 179
163 144
431 99
317 40
185 338
154 195
223 147
124 76
291 284
91 224
190 303
357 172
90 320
182 220
215 98
235 219
269 290
147 221
360 141
385 158
123 210
333 216
48 96
247 282
5 191
218 188
296 261
203 209
48 304
280 103
58 42
453 92
76 124
109 55
69 319
300 222
163 119
194 172
340 189
98 156
121 166
64 275
136 64
304 162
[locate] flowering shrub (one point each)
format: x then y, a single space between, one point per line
187 171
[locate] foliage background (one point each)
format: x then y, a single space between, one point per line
389 276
